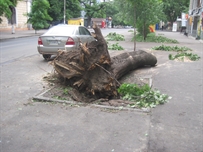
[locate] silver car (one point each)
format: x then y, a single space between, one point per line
62 37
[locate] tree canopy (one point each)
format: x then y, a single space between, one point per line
173 9
93 9
111 11
5 8
56 10
39 16
145 13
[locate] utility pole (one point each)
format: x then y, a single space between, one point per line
64 16
134 27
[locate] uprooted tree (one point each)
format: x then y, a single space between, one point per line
93 72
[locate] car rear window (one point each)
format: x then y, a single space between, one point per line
61 30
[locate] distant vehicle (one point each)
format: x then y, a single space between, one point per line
63 37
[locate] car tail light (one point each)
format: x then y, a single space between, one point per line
40 41
70 41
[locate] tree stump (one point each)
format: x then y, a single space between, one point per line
91 70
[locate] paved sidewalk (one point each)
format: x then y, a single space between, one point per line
176 126
20 33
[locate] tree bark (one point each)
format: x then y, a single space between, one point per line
91 70
126 62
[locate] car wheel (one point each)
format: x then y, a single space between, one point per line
46 56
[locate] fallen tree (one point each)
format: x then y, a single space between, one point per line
93 72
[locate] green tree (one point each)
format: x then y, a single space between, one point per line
143 12
6 8
38 16
111 10
148 13
56 10
173 9
93 9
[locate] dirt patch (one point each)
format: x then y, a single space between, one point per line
59 91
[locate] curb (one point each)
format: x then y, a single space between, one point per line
46 99
40 98
4 39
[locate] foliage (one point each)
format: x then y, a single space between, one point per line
115 47
56 10
132 89
115 37
151 15
38 16
173 9
145 12
171 48
142 96
111 11
153 38
73 9
181 56
124 15
93 8
184 55
5 8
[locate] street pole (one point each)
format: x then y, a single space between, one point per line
64 12
134 28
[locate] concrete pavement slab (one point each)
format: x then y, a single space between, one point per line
56 127
48 127
176 126
4 35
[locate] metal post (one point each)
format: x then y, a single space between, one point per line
64 12
13 29
134 28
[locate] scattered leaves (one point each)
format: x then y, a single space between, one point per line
171 48
142 96
151 37
115 47
115 37
184 56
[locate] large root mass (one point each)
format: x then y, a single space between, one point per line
91 71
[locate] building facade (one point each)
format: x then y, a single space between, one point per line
23 7
195 19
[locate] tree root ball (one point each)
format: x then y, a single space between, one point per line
92 72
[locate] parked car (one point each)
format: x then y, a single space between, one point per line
62 36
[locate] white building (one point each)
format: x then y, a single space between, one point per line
23 7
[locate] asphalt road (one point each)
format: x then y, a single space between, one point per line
14 49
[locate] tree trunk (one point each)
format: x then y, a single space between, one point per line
129 61
91 70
